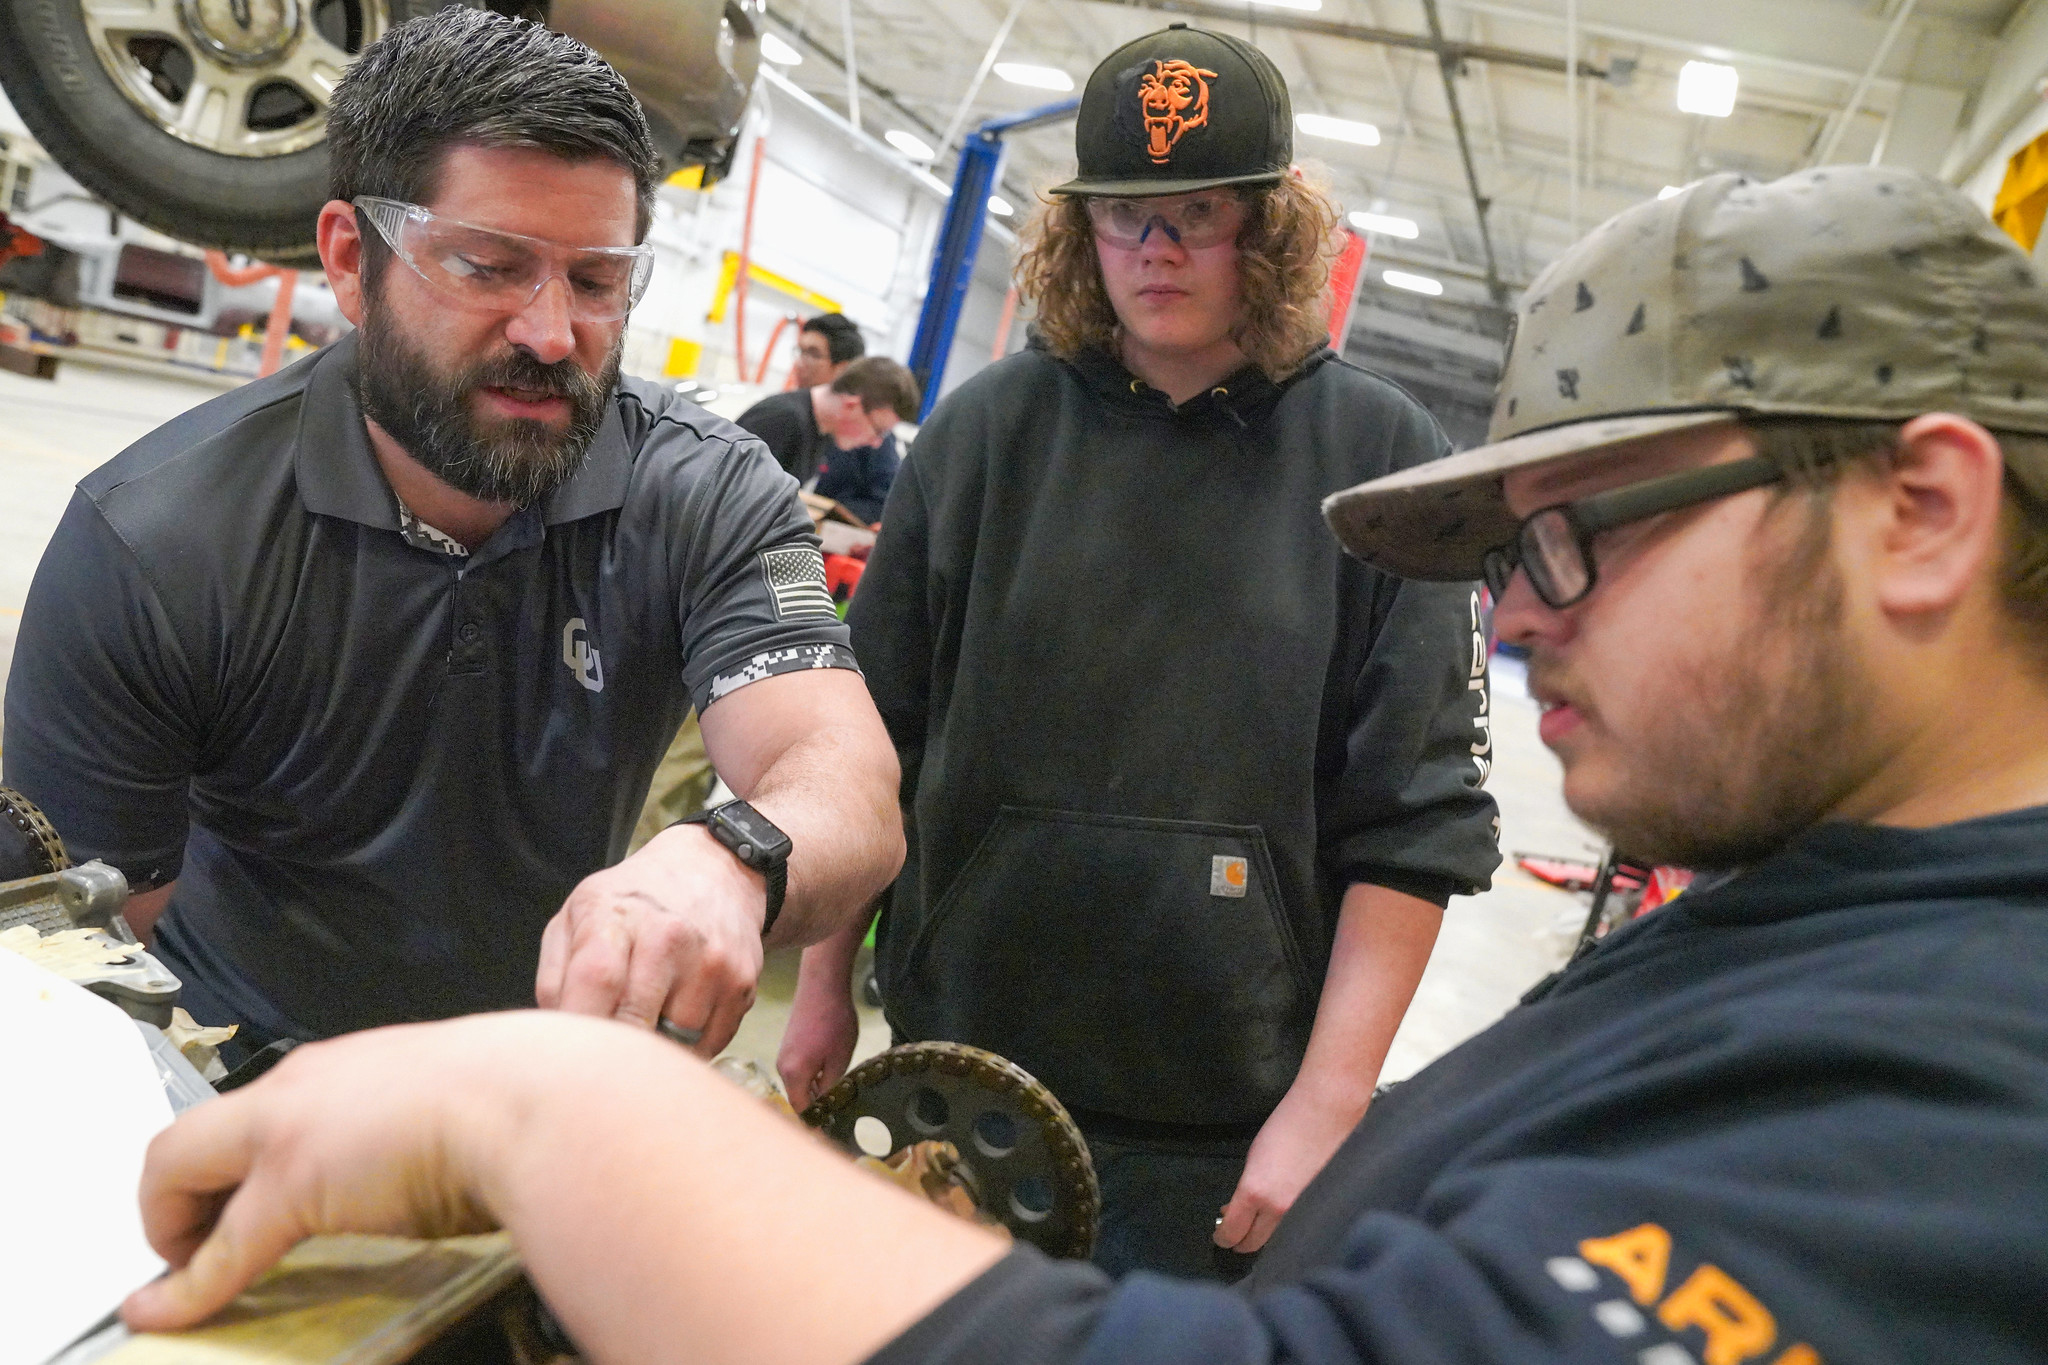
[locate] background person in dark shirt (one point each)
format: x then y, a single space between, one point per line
859 477
362 669
1799 1115
853 411
825 346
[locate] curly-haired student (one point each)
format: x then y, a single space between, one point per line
1186 790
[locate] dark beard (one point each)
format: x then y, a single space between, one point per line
517 460
1770 744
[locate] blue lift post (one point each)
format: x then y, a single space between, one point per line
981 162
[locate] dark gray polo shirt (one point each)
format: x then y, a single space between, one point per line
375 769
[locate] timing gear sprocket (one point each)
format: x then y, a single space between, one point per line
1022 1155
29 846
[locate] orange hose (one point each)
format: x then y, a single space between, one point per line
761 370
236 279
1003 328
280 325
739 311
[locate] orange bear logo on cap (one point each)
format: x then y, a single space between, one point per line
1173 98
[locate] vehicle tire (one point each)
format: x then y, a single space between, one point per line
136 106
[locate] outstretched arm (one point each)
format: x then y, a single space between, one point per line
664 1213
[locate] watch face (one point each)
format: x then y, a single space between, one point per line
751 835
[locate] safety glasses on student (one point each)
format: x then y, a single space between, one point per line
1195 221
486 270
1555 544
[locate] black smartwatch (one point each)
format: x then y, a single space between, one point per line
755 841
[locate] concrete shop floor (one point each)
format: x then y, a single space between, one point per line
1493 945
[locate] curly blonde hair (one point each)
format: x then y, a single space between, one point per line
1285 252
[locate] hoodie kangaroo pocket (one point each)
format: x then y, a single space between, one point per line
1137 967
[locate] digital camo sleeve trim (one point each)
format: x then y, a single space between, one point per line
789 659
1482 742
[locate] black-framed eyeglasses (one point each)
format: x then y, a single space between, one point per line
1555 544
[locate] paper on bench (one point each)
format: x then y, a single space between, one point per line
80 1101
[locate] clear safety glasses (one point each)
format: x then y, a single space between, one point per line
1555 544
1195 221
486 270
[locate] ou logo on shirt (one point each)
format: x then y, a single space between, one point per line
581 656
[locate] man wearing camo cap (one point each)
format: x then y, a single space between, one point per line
1768 505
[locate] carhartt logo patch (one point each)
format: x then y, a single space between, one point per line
581 655
1173 101
796 578
1228 876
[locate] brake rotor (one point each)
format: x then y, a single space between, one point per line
1021 1154
29 846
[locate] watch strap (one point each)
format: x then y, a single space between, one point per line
778 886
776 876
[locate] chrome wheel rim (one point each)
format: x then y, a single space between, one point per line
244 78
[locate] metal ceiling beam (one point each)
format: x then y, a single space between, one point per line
878 91
1445 50
1448 65
988 61
1716 47
1826 153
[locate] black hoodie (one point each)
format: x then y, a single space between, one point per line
1153 723
1798 1119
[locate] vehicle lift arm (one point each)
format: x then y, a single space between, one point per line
959 244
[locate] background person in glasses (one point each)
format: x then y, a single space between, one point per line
1187 790
825 346
359 673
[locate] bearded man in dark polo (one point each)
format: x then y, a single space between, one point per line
359 673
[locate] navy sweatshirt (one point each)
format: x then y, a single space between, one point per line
1800 1117
1153 723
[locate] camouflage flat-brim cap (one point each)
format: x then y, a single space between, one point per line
1847 291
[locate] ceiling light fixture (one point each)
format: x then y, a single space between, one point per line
1415 284
1000 206
779 52
910 144
1037 77
1338 129
1707 88
1386 224
1289 4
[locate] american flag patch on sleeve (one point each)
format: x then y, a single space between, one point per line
796 577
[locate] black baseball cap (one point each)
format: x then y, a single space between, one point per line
1179 110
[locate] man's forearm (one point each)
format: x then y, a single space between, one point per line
735 1215
1383 942
833 793
828 963
1384 939
145 908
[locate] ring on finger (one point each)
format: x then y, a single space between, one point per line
688 1037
